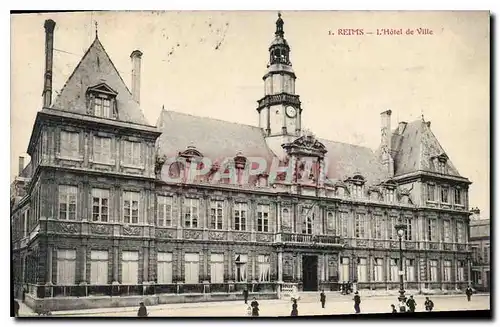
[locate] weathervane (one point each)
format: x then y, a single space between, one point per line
96 29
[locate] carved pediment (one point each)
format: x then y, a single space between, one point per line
190 153
357 179
102 88
390 184
307 144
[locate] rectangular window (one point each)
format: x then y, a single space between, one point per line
360 225
447 271
264 268
240 216
130 267
394 270
433 270
99 267
132 153
378 273
391 230
102 107
307 220
164 268
458 196
362 270
431 192
164 217
217 268
486 256
69 144
461 271
263 218
446 231
475 254
410 270
102 149
330 220
192 268
431 230
390 195
344 269
460 232
378 227
241 267
344 227
100 202
67 202
191 207
444 194
409 229
216 214
66 267
131 207
358 191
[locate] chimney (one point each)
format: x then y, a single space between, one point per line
401 127
135 56
386 140
21 165
49 56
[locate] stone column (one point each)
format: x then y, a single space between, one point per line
115 263
280 266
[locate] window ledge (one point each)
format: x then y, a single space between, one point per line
109 163
61 157
131 166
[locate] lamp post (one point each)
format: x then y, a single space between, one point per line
401 228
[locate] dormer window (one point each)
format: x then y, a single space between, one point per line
101 101
102 107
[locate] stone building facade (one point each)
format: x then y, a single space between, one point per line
101 207
481 251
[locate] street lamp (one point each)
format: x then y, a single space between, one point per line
401 228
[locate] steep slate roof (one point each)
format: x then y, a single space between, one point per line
94 68
215 139
345 160
219 139
414 149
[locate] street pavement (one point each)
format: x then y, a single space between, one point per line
272 308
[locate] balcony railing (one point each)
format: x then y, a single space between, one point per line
310 239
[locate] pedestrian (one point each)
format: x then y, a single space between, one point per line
357 302
295 311
249 310
429 305
245 295
322 298
143 312
411 304
255 308
468 292
24 294
394 308
343 288
16 308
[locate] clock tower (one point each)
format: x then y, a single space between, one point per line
279 110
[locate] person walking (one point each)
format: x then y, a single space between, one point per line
295 311
393 307
429 305
245 295
357 302
16 308
255 307
468 292
143 312
322 298
411 304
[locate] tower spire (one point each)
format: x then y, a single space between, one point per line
96 30
279 26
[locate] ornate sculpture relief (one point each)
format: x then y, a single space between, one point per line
128 230
100 229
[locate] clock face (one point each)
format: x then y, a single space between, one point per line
291 112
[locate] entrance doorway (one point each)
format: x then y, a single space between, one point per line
310 273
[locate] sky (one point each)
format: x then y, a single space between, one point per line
211 64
